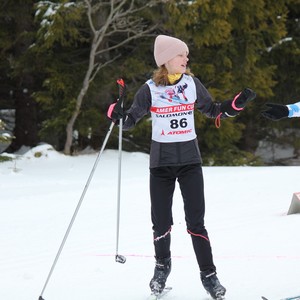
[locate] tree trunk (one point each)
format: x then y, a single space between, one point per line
111 22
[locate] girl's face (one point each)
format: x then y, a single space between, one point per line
178 64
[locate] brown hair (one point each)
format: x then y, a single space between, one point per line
160 75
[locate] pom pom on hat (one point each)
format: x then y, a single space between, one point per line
166 48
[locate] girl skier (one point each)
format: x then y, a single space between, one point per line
171 96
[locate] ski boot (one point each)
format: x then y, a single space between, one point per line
212 284
161 272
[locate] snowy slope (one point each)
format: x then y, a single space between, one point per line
255 244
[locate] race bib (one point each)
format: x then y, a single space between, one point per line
172 111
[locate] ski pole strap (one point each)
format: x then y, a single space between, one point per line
233 103
218 120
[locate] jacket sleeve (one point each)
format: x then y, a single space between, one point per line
204 102
140 107
294 110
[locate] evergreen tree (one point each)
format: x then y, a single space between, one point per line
228 40
61 49
285 53
233 44
18 81
105 26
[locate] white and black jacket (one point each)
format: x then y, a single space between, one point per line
174 140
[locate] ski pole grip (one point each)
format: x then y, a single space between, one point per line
122 88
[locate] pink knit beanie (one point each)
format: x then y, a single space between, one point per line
166 48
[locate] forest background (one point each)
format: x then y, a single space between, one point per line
59 62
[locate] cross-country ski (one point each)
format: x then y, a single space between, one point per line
288 298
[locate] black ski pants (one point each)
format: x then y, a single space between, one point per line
162 186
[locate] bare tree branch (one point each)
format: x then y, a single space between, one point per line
101 66
106 19
136 36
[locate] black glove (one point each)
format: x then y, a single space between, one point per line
242 99
115 112
233 107
275 112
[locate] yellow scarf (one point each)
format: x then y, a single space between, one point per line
174 77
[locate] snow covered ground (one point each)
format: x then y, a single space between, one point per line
255 243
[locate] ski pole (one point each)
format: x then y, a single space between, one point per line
119 258
121 97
